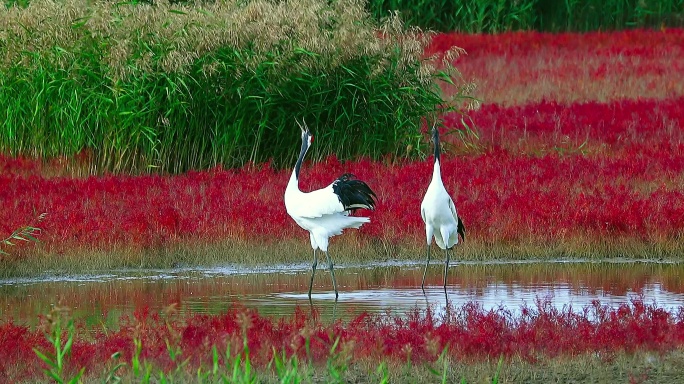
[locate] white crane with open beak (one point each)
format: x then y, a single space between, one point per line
325 212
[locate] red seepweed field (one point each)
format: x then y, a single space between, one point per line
578 151
466 334
544 174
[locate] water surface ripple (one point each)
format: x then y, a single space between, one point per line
390 287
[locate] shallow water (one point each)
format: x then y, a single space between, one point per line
380 288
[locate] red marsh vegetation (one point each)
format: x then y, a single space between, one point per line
465 333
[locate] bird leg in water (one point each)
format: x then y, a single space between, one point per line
313 272
422 285
332 273
334 316
446 268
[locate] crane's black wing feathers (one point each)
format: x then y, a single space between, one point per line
353 194
461 229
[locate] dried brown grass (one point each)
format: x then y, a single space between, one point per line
639 367
171 37
344 250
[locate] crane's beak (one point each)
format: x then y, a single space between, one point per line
303 127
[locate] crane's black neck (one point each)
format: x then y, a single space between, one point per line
435 138
302 153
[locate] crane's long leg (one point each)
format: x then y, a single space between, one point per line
446 268
422 285
313 272
332 273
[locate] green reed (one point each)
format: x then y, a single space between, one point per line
55 359
26 233
492 16
466 16
169 88
587 15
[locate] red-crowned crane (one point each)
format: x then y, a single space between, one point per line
439 214
325 212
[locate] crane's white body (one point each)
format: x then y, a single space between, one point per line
320 212
439 213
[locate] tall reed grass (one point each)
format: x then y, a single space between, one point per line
175 87
492 16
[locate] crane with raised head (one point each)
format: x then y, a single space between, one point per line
326 212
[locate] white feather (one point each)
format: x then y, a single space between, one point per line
320 212
311 204
439 213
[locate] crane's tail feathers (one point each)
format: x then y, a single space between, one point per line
357 222
354 194
461 229
333 225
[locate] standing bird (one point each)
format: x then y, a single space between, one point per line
325 212
439 214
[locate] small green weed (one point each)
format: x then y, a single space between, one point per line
56 358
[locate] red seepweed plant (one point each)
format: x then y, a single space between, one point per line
466 333
517 68
504 197
627 42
